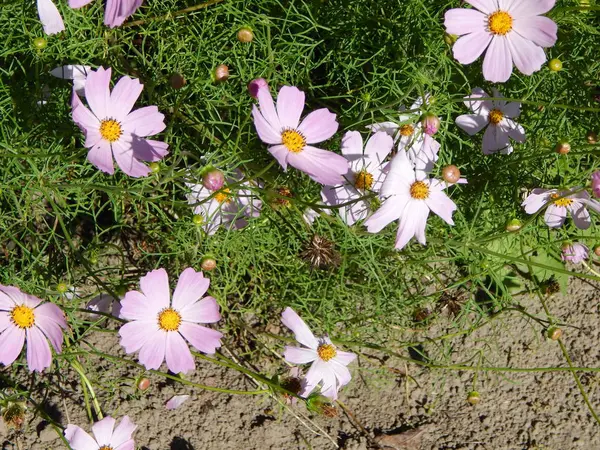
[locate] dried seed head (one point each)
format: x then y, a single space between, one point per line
245 35
563 147
143 384
177 81
221 73
13 415
451 174
592 137
320 253
554 333
208 264
473 397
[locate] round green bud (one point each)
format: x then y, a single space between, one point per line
554 333
62 288
208 264
40 43
473 397
245 35
198 219
154 167
514 225
555 65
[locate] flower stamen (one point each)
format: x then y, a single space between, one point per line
562 202
407 130
500 23
326 352
496 116
363 180
293 140
419 190
169 320
224 196
23 316
110 130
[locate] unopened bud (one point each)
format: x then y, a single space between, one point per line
143 384
596 184
451 174
473 397
62 288
255 85
208 264
563 147
554 333
555 65
154 167
245 35
198 219
177 81
213 180
592 137
597 250
221 73
514 225
430 124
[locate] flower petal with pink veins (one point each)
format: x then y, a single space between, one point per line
142 122
203 339
123 432
51 330
319 126
324 167
191 286
494 139
152 353
302 333
472 123
5 320
103 430
50 17
148 149
11 343
178 355
440 204
386 214
79 439
534 202
125 159
528 8
379 147
315 374
155 286
540 30
461 21
204 311
39 356
527 56
97 92
497 64
134 335
6 302
92 139
470 47
52 312
298 355
407 226
123 97
137 306
290 103
82 116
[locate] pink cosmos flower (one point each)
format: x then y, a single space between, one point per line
328 363
558 203
116 11
226 207
106 436
574 253
512 31
24 317
497 116
291 139
255 85
409 195
366 174
596 184
50 17
160 326
112 129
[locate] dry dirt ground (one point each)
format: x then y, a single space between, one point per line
518 410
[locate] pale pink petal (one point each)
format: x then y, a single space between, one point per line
555 216
541 30
178 355
497 65
152 353
82 116
103 430
203 339
137 306
324 167
39 356
6 302
514 130
315 374
302 333
407 226
176 401
134 335
391 128
470 47
123 97
123 153
594 205
536 200
298 355
97 92
318 126
101 156
344 358
281 154
123 432
379 147
421 214
329 386
480 107
352 146
117 11
527 56
461 21
581 216
485 6
50 17
142 122
290 103
148 149
11 343
342 374
51 330
512 110
267 109
79 439
388 212
424 157
93 138
78 3
472 123
51 312
494 139
5 320
204 311
191 286
526 8
400 176
265 130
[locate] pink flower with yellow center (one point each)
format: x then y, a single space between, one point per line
116 11
24 317
291 140
160 326
106 436
512 32
559 203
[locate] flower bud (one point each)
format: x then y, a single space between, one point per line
591 137
143 384
245 35
450 38
213 180
40 43
208 264
554 333
596 184
177 81
198 219
221 73
473 397
154 167
430 124
555 65
451 174
62 288
514 225
597 250
563 147
255 85
574 253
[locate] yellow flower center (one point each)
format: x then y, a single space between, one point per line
419 190
496 116
293 140
564 202
363 180
500 22
223 196
23 316
169 320
110 130
326 352
407 130
105 447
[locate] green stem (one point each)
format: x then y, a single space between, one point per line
172 15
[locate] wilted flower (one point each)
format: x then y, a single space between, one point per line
73 72
596 184
13 414
106 436
558 203
160 326
497 116
24 317
430 124
291 140
328 363
294 383
111 129
115 12
511 31
320 253
574 253
366 174
50 17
